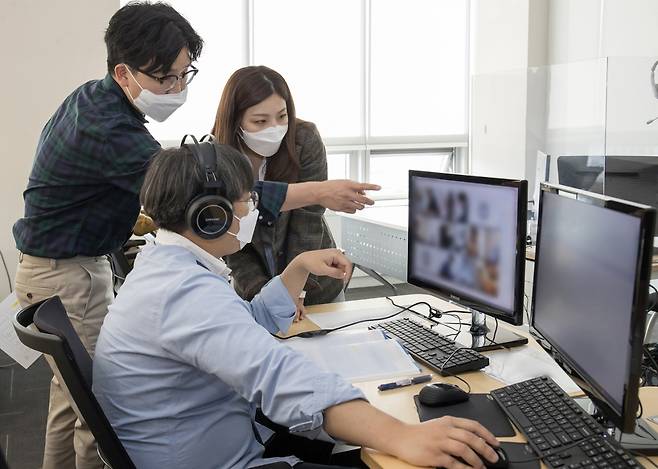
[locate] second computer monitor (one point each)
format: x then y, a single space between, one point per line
467 240
592 269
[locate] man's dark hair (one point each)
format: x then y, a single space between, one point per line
149 36
175 177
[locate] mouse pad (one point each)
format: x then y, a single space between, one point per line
520 452
479 408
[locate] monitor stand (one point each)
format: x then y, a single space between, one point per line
644 440
483 338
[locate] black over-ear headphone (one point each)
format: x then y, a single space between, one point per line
209 214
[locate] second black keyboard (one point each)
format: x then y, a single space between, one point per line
433 349
558 429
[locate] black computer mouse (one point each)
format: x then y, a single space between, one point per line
440 394
502 463
503 460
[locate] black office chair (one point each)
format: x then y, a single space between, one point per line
122 261
56 337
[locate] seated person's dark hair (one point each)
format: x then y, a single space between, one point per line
175 177
149 36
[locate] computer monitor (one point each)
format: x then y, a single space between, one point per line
582 172
592 270
633 178
466 242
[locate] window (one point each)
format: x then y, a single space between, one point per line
316 46
386 82
391 169
338 165
419 75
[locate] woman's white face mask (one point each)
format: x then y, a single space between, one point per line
157 106
265 142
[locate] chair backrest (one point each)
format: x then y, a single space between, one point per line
56 337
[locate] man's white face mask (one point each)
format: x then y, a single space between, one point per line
157 106
265 142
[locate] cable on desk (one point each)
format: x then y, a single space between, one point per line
640 455
320 332
649 355
493 341
434 312
458 377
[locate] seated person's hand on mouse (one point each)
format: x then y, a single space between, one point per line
443 442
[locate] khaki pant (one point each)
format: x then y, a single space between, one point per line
84 285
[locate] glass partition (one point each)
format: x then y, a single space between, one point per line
565 123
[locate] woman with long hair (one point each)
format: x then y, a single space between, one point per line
257 116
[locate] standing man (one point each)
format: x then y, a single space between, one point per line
82 198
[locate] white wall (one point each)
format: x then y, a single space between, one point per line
499 58
49 49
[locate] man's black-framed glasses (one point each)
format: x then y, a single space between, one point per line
169 82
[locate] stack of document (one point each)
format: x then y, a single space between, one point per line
357 355
519 364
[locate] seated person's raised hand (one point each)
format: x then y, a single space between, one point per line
323 262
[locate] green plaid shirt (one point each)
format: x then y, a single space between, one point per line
82 196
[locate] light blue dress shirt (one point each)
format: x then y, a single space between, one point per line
182 363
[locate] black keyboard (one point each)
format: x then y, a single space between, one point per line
432 348
558 429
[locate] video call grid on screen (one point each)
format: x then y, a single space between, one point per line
463 238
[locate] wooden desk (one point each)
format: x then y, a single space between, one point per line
399 402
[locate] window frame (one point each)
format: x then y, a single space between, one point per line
361 149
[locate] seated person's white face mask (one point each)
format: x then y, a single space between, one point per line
247 226
265 142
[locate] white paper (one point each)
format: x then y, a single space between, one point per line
9 342
331 319
358 355
523 363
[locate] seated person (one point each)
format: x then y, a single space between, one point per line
182 362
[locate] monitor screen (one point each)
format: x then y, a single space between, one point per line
590 285
633 178
467 240
582 172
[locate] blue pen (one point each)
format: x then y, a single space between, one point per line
404 382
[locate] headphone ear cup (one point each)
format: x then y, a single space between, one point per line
209 216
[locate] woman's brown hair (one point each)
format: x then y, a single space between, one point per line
247 87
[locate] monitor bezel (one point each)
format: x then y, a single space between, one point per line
514 317
625 420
